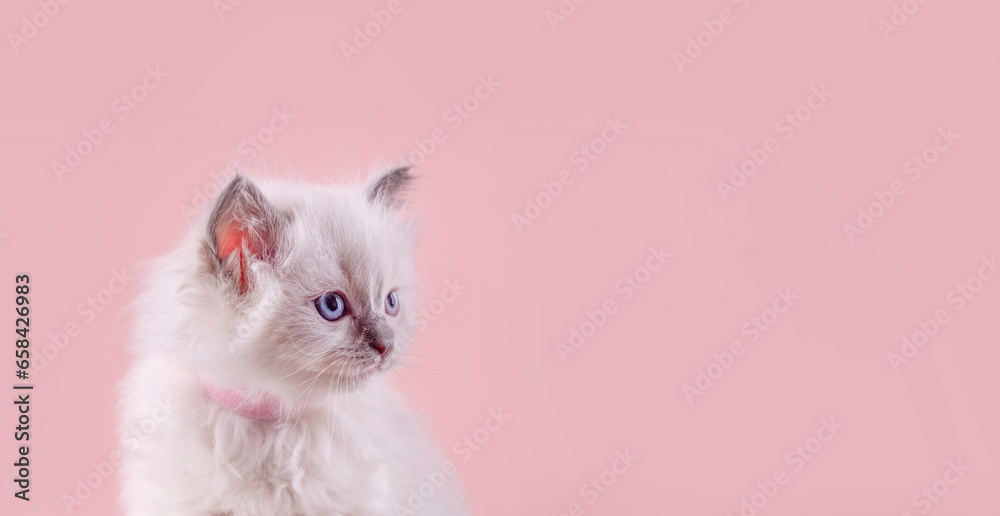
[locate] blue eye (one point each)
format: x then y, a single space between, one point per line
391 303
331 306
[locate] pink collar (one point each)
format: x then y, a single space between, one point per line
243 402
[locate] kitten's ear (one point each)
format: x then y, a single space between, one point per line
389 188
244 227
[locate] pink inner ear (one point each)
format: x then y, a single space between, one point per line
231 240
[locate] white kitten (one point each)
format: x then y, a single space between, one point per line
261 343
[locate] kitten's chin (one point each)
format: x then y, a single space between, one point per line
356 380
348 377
364 376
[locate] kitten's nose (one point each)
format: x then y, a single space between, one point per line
379 337
383 346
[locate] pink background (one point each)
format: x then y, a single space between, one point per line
655 185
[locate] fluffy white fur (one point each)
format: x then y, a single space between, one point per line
344 444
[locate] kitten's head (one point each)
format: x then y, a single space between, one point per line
305 290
